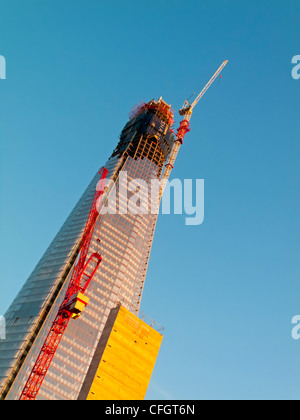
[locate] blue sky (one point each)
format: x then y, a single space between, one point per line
226 291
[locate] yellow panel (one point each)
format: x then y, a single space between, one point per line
128 360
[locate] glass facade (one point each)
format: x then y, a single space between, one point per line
124 241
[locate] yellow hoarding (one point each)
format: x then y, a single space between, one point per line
127 352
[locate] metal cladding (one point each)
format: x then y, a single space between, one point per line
124 242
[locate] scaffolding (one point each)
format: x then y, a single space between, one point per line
151 322
159 108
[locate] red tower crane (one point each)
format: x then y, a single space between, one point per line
74 301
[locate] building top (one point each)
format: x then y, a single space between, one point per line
159 108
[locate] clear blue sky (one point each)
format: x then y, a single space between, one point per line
226 290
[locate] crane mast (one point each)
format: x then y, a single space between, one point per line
74 301
184 127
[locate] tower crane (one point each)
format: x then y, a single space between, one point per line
74 301
184 127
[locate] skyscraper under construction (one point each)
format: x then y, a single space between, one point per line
91 359
108 353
